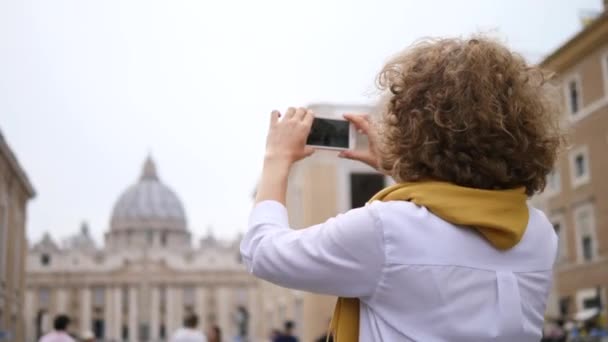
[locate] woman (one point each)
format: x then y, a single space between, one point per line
452 252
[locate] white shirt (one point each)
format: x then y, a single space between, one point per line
56 336
188 335
419 278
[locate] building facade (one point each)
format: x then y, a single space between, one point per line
15 191
576 197
146 277
320 187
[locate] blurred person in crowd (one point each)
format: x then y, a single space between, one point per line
189 332
575 331
214 334
60 331
88 336
274 334
468 130
325 338
242 321
287 334
553 331
595 329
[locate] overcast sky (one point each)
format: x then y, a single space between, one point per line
89 88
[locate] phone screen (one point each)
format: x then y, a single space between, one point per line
329 133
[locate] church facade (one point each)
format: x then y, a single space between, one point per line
146 277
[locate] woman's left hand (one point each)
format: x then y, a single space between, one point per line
286 141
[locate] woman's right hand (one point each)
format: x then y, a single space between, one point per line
368 156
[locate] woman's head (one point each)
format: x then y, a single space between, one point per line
469 112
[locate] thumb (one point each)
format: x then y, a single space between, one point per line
308 151
354 155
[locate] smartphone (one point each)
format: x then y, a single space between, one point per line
331 133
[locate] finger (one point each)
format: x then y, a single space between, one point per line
361 122
274 117
290 113
300 113
309 117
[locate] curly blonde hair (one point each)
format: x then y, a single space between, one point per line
469 112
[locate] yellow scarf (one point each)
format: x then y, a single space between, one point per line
501 216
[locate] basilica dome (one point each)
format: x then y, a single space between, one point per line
148 205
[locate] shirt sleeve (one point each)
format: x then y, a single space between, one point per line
343 256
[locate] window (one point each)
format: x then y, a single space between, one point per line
585 229
580 172
574 96
589 298
98 297
44 297
554 182
592 302
579 166
188 296
45 259
560 230
587 248
564 306
363 186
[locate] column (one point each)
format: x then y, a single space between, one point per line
298 313
62 301
169 310
254 314
154 312
108 307
223 312
30 315
85 308
178 307
117 309
133 326
200 306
